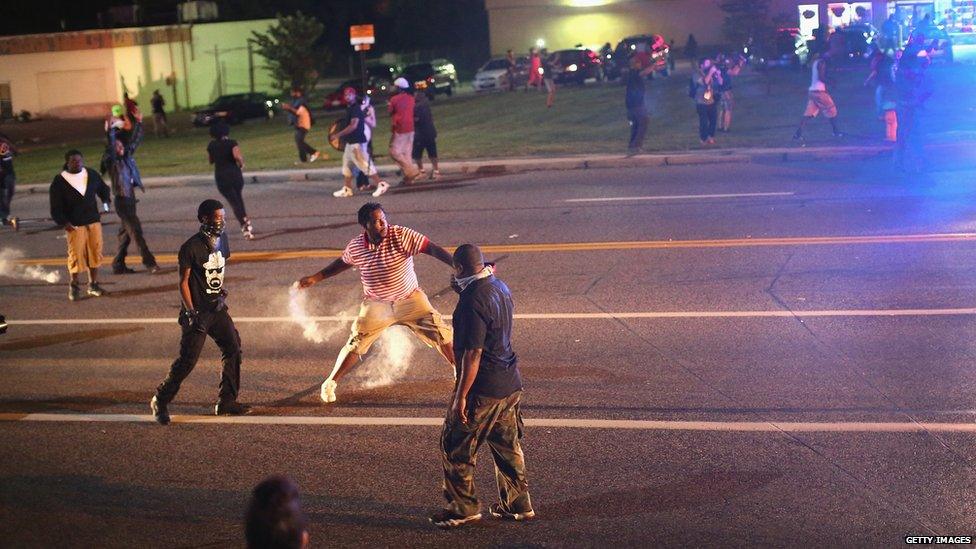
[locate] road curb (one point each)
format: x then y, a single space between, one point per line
487 167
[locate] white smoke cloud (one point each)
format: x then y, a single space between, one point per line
10 268
389 358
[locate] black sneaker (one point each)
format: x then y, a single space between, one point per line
74 292
446 519
231 408
159 411
95 290
496 511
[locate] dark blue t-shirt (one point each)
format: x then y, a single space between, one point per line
355 112
635 90
483 320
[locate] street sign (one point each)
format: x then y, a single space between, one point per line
361 34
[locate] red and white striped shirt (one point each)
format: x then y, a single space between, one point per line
386 269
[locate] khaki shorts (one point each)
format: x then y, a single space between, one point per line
356 154
401 150
414 312
820 102
84 248
727 100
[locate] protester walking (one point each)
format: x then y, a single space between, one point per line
885 100
369 118
204 313
702 89
300 117
729 67
691 48
510 70
486 402
636 104
535 70
425 136
549 68
74 195
819 99
125 177
8 181
401 121
911 91
159 114
228 162
356 154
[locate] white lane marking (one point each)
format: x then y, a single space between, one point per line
568 423
966 311
675 197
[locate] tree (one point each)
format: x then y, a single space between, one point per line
748 23
289 48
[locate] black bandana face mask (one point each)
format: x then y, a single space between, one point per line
212 228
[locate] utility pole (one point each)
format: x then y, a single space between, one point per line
220 83
250 64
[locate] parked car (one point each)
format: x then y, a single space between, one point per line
445 68
378 90
493 75
787 49
963 47
383 71
855 40
236 108
577 65
653 46
426 79
942 45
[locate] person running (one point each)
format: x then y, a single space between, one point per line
204 313
401 123
159 114
8 181
356 151
124 173
486 403
383 254
818 99
702 89
74 196
425 136
301 117
225 155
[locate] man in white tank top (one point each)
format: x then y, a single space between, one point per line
818 100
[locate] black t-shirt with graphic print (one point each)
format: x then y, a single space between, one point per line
206 266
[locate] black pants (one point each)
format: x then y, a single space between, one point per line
130 229
707 119
231 189
7 182
304 149
638 127
220 327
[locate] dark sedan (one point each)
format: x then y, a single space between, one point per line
576 65
236 108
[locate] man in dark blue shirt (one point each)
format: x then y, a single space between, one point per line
356 152
486 401
636 107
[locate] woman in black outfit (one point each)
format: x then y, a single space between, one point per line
226 157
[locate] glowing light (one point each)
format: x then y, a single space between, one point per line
572 68
586 3
540 43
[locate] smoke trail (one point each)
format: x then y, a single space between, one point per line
297 306
391 358
10 268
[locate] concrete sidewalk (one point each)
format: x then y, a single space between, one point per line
494 166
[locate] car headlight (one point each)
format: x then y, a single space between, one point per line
268 103
572 68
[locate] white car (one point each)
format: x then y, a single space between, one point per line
493 75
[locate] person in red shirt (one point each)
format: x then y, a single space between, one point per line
383 254
401 120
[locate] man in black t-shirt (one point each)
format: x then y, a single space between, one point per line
636 106
356 152
203 314
486 401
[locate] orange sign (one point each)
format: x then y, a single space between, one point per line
361 34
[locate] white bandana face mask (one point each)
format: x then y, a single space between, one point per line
459 284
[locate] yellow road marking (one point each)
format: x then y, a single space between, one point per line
325 253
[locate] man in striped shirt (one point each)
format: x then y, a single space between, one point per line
383 253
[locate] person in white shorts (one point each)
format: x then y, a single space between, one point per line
356 152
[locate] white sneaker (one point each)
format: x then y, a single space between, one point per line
344 192
314 157
381 188
328 391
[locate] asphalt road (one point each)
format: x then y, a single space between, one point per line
721 355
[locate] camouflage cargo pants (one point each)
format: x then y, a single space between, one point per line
499 423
